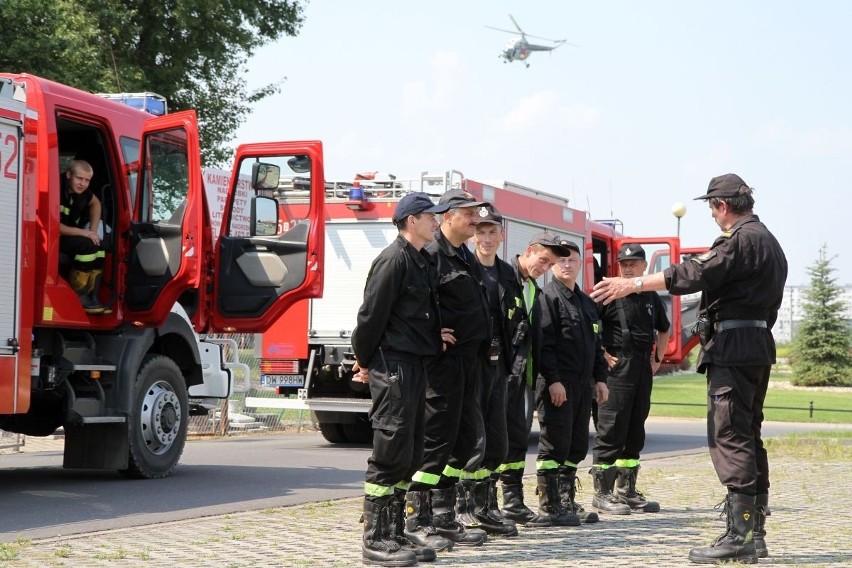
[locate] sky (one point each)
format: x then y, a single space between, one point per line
659 97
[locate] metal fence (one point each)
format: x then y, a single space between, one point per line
811 409
231 417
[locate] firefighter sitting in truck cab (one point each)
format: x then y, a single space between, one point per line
78 208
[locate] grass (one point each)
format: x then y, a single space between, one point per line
685 396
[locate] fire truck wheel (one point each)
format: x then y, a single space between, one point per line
360 431
333 432
158 421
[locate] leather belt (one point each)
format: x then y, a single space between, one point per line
734 324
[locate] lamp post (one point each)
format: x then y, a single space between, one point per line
678 210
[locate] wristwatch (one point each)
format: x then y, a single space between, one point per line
637 283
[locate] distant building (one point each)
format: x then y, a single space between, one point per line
792 311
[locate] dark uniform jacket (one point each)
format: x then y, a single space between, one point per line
512 311
742 276
74 209
399 313
571 352
462 298
643 312
533 338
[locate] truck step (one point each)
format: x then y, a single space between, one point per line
104 419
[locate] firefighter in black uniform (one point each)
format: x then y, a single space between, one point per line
635 336
742 280
397 332
454 427
523 311
79 207
572 368
479 488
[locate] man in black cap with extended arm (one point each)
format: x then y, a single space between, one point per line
741 279
635 336
397 333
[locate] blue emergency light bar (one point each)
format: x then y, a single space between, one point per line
151 103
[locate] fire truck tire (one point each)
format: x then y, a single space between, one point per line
333 432
360 431
158 421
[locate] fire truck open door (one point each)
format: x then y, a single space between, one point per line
12 386
658 252
165 254
270 251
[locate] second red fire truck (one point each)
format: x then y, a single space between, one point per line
306 355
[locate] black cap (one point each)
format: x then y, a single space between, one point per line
414 204
456 198
551 241
728 185
488 215
631 251
570 245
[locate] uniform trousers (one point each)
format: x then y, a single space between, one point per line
397 415
492 399
84 254
621 419
454 426
564 429
734 420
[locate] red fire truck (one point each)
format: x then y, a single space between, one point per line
306 355
124 384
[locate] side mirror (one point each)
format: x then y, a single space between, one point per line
300 164
264 217
265 176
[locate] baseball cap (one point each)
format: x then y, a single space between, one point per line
631 251
570 245
489 215
728 185
415 203
456 198
551 241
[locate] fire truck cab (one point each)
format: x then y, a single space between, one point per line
306 355
124 384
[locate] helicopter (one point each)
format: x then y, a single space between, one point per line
519 49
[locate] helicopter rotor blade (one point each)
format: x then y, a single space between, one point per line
516 24
502 30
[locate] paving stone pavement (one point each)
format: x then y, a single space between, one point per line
810 525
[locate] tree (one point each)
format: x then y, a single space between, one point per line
193 52
821 347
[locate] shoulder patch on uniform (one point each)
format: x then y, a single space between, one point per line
702 258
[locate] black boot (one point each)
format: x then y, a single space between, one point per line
377 546
79 281
549 502
418 522
568 492
604 500
397 531
485 510
94 285
761 505
444 519
625 490
737 543
464 504
514 508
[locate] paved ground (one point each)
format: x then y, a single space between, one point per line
810 525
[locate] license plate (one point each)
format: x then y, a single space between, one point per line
282 380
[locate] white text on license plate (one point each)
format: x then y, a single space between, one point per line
282 380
